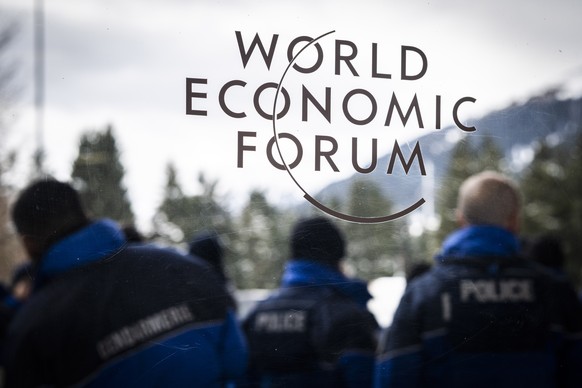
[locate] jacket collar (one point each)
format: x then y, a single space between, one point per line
303 272
479 241
94 242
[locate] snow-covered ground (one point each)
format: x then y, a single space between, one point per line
386 293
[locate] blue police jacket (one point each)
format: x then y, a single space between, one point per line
483 317
108 313
315 331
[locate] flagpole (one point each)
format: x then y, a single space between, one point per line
39 84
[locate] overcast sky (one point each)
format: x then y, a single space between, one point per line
125 63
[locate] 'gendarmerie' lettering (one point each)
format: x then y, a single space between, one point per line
288 321
148 327
491 291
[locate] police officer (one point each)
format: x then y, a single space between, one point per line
315 330
483 317
107 313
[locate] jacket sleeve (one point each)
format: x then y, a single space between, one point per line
569 370
235 350
350 343
399 360
21 369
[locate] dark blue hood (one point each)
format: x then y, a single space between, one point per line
479 241
301 272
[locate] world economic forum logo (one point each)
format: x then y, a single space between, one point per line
343 115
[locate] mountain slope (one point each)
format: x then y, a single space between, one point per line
514 128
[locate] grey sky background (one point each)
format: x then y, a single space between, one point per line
125 62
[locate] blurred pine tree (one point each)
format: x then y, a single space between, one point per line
98 175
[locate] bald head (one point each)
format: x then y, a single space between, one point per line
489 198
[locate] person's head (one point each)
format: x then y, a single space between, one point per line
208 246
489 198
546 249
317 239
45 212
22 281
416 269
132 235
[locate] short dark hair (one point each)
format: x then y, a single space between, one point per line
317 239
208 245
546 249
47 210
414 270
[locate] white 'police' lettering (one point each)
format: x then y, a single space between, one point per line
288 321
486 291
